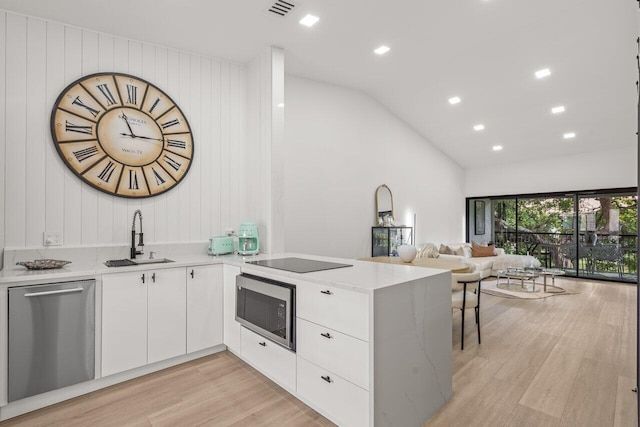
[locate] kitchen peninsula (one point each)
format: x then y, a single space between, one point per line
373 340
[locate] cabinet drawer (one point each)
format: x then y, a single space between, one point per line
347 403
344 355
269 358
339 309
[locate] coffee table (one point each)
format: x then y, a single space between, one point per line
553 272
517 274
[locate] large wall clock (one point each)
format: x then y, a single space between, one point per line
122 135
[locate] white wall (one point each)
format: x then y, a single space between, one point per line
38 59
587 171
264 174
340 145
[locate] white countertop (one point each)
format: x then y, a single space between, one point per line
363 276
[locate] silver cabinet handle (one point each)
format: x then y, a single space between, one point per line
61 291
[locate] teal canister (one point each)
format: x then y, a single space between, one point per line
248 240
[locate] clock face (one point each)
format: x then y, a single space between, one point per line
122 135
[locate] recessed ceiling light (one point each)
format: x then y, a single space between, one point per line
281 105
543 73
454 100
382 50
478 127
569 135
309 20
558 109
497 147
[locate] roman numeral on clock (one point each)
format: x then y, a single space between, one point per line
93 111
132 94
133 180
176 143
158 177
170 123
106 173
171 162
107 93
155 104
70 127
84 154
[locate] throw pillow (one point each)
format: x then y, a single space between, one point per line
479 244
445 250
459 251
429 251
480 251
467 252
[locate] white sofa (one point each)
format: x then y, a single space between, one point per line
488 266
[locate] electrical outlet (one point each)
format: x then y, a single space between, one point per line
53 238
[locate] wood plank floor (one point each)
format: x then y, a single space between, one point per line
566 360
560 361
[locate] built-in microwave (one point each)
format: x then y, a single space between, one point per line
267 307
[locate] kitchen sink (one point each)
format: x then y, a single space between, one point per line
152 261
130 262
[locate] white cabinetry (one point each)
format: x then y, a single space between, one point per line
231 327
274 361
143 318
344 355
336 308
124 322
204 307
346 403
167 317
333 352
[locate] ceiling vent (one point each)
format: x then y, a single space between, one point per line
282 7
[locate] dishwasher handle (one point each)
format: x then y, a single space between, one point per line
61 291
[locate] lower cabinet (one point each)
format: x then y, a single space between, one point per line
204 307
143 318
124 322
344 355
167 317
345 402
269 358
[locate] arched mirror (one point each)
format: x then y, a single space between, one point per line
384 206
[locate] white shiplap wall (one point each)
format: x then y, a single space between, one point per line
38 59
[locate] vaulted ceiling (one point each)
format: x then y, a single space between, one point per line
483 51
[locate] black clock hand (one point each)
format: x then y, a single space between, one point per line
126 120
141 137
146 137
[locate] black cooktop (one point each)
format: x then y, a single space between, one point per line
298 265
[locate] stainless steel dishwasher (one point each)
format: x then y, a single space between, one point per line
51 337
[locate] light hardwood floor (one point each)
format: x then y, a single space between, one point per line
561 361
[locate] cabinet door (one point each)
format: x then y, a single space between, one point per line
124 322
231 327
340 309
204 307
269 358
167 301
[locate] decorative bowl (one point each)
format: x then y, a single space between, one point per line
44 264
407 253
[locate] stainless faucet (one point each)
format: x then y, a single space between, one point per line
135 252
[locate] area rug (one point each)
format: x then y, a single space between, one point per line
491 289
